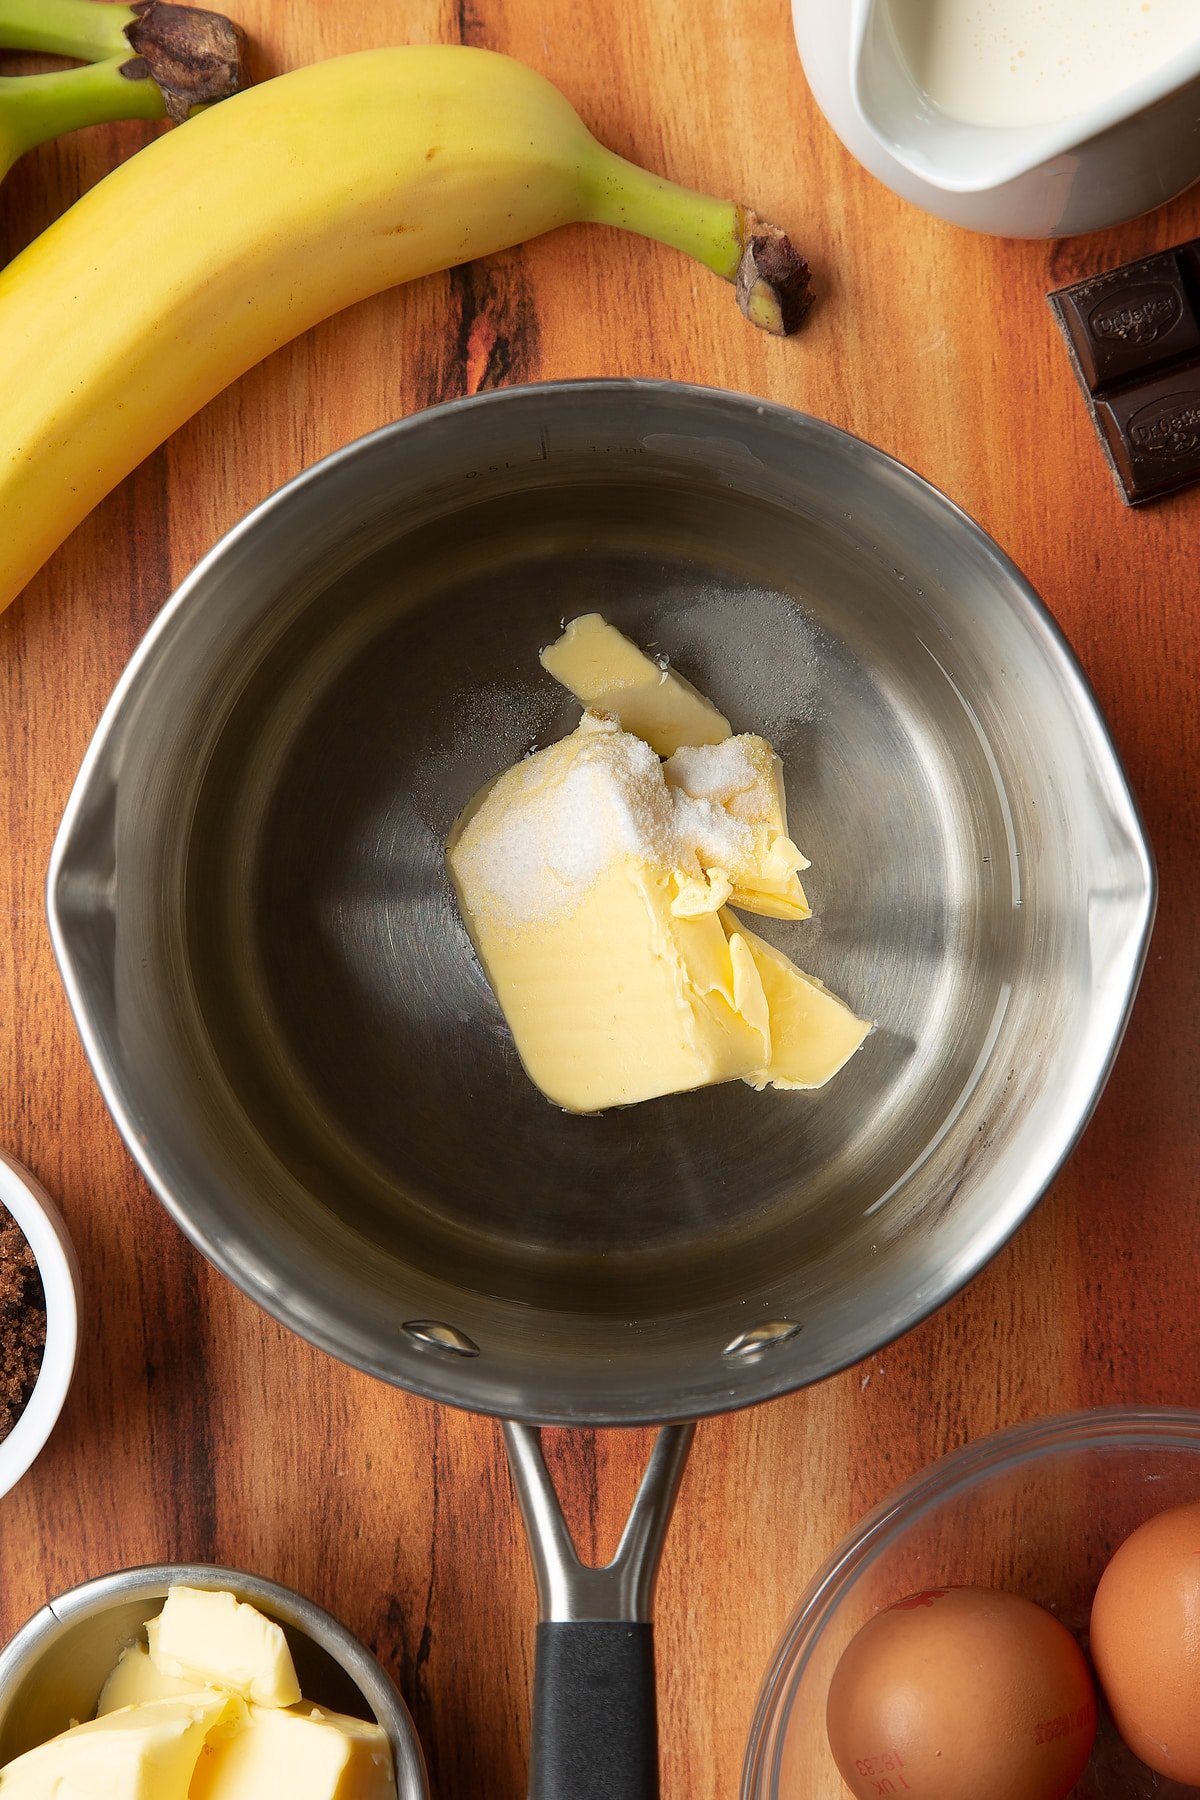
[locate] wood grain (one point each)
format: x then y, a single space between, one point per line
196 1427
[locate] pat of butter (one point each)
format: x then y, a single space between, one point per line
744 777
610 675
593 879
591 891
813 1033
621 998
136 1680
147 1752
217 1641
304 1754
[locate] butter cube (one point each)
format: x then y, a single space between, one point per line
813 1033
215 1640
744 777
136 1680
145 1752
621 999
610 675
303 1754
593 881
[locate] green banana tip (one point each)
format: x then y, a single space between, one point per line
773 279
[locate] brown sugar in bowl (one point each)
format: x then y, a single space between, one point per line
39 1318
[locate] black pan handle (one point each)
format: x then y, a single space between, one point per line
595 1720
595 1723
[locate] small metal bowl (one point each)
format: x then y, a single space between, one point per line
36 1214
52 1671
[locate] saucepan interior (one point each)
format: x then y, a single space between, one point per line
249 900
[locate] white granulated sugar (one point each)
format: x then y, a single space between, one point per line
756 652
493 713
715 771
485 726
551 825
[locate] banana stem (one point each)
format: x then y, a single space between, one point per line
770 275
37 107
194 56
635 200
92 30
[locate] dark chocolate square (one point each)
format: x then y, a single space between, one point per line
1189 262
1152 430
1131 320
1134 334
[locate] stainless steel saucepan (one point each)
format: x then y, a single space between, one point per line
249 905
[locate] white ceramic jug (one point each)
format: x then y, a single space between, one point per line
1111 161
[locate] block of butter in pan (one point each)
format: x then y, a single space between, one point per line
217 1741
595 880
610 675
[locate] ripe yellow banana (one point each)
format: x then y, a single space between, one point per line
221 241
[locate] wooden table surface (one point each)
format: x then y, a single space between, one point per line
196 1427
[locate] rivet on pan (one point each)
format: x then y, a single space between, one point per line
441 1337
748 1346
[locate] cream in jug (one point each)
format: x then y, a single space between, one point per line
1033 62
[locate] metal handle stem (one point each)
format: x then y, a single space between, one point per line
624 1588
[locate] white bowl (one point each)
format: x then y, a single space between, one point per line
46 1235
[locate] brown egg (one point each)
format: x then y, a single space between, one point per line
1146 1642
962 1691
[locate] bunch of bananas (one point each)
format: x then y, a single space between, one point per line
219 242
